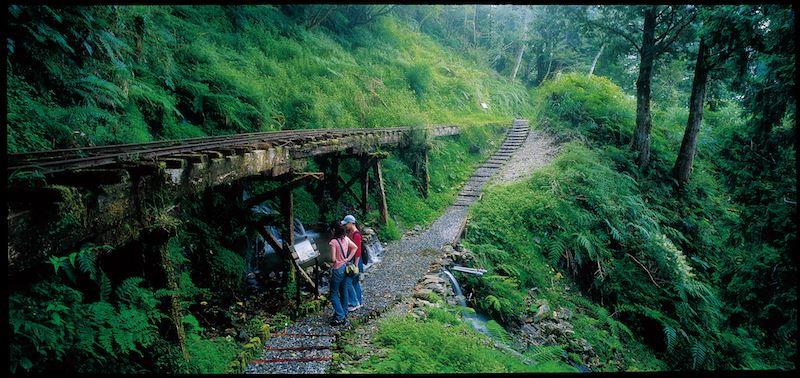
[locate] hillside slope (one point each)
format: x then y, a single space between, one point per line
99 75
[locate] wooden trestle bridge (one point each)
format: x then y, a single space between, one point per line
110 193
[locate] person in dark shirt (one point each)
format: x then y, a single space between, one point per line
352 286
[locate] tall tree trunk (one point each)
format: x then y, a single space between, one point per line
519 60
549 64
475 27
540 66
522 43
596 57
641 136
683 165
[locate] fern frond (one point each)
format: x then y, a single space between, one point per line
87 263
555 249
698 355
128 290
615 234
670 334
105 287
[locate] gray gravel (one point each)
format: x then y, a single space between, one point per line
404 262
538 150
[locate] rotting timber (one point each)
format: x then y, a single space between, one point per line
114 194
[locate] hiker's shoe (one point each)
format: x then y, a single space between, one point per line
338 322
353 308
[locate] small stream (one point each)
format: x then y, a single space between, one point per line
478 323
475 320
261 259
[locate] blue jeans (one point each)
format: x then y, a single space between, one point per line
352 287
336 287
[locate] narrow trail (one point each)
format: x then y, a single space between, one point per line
304 347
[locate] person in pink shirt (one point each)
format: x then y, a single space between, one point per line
342 250
352 285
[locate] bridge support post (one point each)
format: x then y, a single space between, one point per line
328 190
172 285
381 193
364 186
287 209
322 162
425 180
334 179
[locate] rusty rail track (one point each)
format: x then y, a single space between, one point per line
60 160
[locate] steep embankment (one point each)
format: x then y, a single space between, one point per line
138 73
632 262
427 331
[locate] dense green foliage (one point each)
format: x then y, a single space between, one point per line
70 323
669 262
452 161
138 73
442 342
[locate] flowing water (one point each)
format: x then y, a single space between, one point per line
374 252
259 255
478 321
475 320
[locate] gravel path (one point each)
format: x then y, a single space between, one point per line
538 150
404 263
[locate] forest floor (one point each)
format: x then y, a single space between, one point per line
306 346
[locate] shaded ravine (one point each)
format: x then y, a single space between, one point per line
304 347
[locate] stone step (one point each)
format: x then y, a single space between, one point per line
307 367
475 195
298 340
300 355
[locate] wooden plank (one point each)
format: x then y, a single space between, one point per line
381 193
303 272
261 228
349 190
365 186
287 210
426 179
298 180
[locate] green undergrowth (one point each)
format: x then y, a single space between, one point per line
627 242
441 342
99 75
452 160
